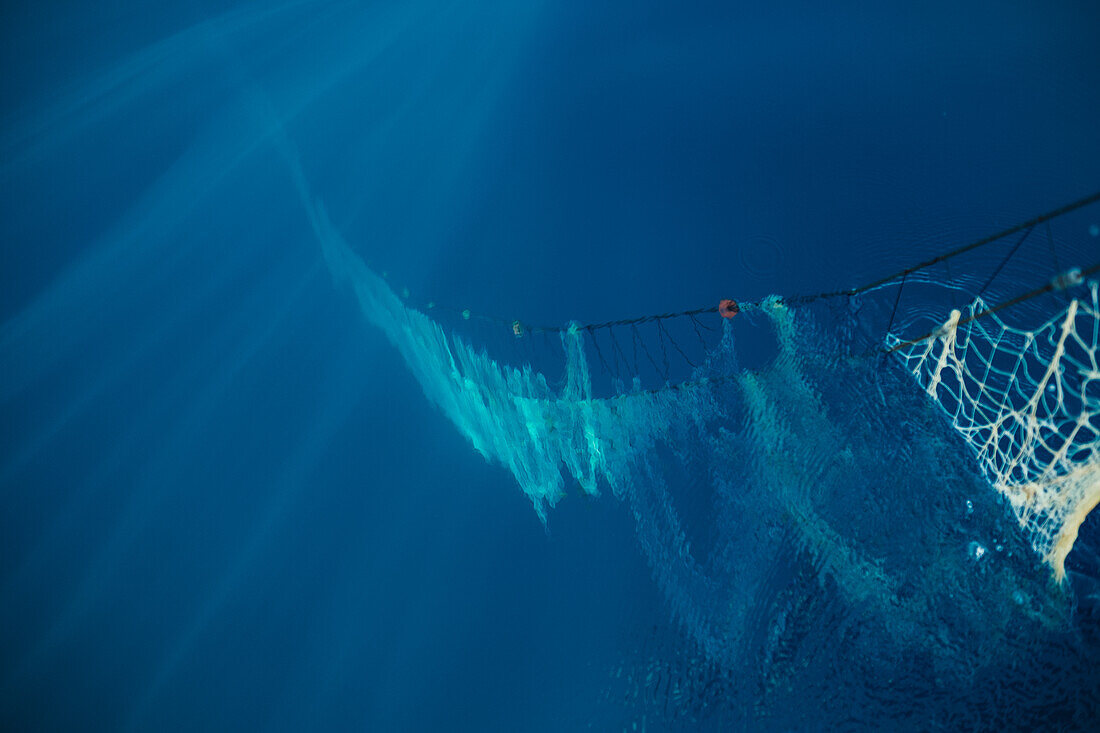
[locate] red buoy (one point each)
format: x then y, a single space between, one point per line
728 308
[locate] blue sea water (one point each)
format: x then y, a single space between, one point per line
224 501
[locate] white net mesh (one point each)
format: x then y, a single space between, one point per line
1028 404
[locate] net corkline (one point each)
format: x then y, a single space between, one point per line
1062 281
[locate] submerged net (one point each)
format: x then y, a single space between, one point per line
1027 402
808 513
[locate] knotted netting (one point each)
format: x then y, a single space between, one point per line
802 507
1027 402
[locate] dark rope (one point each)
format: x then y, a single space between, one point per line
618 351
664 351
1004 262
801 299
1055 284
637 321
1058 283
897 300
645 349
676 345
1053 249
596 345
695 325
634 345
974 245
804 299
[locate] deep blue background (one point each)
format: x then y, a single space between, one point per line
223 501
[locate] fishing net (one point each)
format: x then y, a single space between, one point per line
1027 402
802 506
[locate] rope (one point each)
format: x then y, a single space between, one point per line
1026 227
897 300
1004 262
1053 250
1061 211
804 299
1061 282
